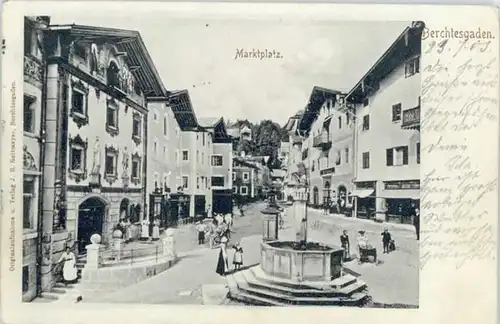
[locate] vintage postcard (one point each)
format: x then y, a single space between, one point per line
233 156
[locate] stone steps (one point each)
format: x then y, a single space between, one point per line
245 286
346 290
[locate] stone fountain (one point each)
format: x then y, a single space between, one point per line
295 272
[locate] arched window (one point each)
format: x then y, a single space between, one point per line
113 78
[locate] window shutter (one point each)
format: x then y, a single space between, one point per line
405 155
389 157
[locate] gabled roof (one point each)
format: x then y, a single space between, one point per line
318 96
128 41
218 126
406 46
180 103
209 122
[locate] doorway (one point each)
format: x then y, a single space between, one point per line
90 221
316 197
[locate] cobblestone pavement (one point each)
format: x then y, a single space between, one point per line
394 280
182 284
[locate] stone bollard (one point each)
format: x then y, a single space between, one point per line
169 245
117 244
94 252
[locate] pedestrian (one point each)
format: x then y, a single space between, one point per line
156 229
228 219
416 222
238 256
209 211
326 206
386 240
219 219
145 229
222 262
344 242
128 230
69 270
200 227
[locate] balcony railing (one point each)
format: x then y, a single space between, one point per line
411 118
32 71
322 141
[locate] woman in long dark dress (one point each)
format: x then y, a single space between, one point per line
222 262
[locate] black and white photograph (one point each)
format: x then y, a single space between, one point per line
218 161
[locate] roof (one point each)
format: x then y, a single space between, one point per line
209 122
180 103
406 46
128 41
242 162
316 100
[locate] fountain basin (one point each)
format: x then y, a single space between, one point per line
317 262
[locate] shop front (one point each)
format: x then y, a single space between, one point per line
364 199
401 199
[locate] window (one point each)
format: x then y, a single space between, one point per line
185 182
339 158
366 160
165 126
77 158
397 156
185 155
202 158
348 119
340 122
113 75
29 114
136 128
136 167
164 152
366 122
235 190
217 160
313 165
155 146
396 112
112 117
218 181
26 278
155 117
346 155
412 67
77 100
111 164
246 176
28 203
418 153
197 182
244 190
366 101
234 175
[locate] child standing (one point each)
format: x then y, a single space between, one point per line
238 257
386 239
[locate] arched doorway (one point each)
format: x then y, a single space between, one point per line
315 196
342 198
90 220
124 209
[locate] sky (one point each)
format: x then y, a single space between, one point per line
199 55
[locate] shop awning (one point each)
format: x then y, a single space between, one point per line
362 193
401 194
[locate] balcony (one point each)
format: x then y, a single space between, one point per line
322 141
33 73
411 118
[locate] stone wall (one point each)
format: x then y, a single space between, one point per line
29 269
96 282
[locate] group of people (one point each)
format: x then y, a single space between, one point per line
125 226
219 227
223 259
388 243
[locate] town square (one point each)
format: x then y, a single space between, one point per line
140 191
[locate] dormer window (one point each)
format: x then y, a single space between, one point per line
113 79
